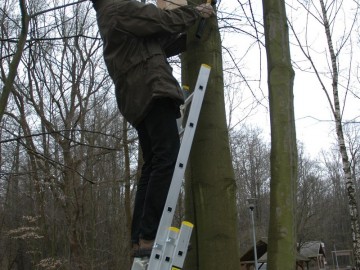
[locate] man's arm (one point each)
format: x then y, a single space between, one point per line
146 19
174 45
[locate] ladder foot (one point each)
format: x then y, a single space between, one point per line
140 253
140 263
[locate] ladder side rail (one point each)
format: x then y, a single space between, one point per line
182 245
184 152
175 187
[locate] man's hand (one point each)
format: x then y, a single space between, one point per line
205 10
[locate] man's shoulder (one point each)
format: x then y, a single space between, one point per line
101 4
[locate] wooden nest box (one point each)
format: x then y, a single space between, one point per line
170 4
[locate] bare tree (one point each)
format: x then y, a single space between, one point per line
69 126
14 63
16 52
311 189
251 162
327 13
337 234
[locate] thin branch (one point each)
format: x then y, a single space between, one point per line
313 66
55 8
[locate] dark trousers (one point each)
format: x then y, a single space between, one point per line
159 141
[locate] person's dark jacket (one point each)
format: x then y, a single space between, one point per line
133 37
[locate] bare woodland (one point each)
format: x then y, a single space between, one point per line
69 162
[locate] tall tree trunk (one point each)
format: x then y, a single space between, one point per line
9 80
350 188
127 177
211 184
282 236
72 207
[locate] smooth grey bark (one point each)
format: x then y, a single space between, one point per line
282 236
210 184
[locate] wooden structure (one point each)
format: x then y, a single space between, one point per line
315 252
343 259
247 261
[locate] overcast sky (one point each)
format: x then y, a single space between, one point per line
314 124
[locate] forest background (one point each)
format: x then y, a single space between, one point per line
62 123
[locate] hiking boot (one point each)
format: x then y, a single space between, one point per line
134 250
146 244
145 248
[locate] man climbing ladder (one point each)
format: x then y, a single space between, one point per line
170 247
137 39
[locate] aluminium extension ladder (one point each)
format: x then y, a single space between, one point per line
171 244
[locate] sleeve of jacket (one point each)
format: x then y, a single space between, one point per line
146 19
174 44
